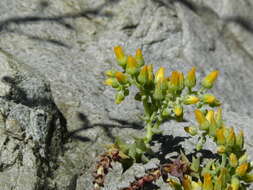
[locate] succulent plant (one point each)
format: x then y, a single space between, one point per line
165 98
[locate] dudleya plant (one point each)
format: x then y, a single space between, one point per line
164 98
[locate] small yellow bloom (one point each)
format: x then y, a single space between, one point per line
196 185
235 183
111 82
220 136
191 130
120 56
178 110
131 67
231 137
208 98
110 73
174 79
241 170
191 100
212 123
159 74
187 182
233 160
221 149
218 117
209 80
121 77
119 98
201 120
150 73
143 76
190 80
139 57
208 184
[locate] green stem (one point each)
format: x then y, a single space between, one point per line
223 160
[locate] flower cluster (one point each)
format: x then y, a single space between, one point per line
164 98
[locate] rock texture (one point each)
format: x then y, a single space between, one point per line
70 43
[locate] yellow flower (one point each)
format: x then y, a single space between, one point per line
242 169
201 120
191 100
139 57
209 80
208 184
191 130
131 67
178 110
150 74
143 76
212 123
159 74
120 56
121 77
187 182
111 82
231 137
208 98
220 136
235 183
233 160
177 80
190 80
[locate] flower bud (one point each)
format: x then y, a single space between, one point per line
190 80
231 138
240 140
110 73
121 77
159 74
208 184
139 57
150 74
208 98
243 158
209 80
233 161
242 169
203 123
191 100
158 93
212 123
235 183
175 80
119 97
120 57
220 136
111 82
143 76
187 182
131 67
178 110
191 130
218 117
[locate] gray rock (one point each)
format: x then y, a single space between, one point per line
32 128
70 43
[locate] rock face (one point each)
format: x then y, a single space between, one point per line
32 128
70 43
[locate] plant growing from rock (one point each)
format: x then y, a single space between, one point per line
164 98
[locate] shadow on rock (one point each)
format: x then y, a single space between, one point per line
86 124
169 144
6 25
